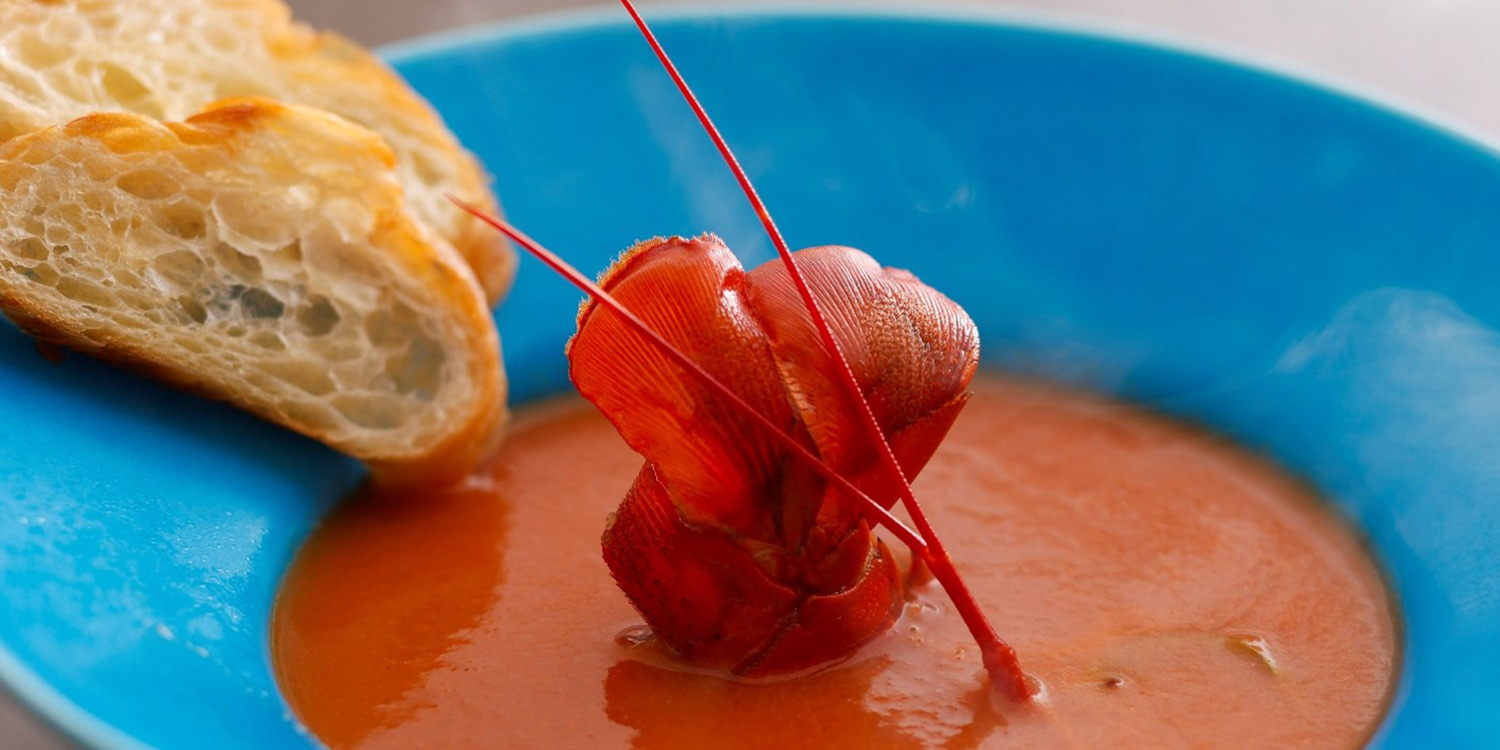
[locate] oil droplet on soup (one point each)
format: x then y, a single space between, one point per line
1164 588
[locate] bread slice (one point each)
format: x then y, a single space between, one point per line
261 254
63 59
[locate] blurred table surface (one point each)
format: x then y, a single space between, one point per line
1440 54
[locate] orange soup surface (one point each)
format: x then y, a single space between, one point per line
1165 588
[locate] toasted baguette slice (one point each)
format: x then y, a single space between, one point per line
261 254
63 59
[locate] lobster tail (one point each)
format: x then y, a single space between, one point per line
738 556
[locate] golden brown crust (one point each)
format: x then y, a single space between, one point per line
95 57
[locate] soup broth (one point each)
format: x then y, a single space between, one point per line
1165 589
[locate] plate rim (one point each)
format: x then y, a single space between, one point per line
981 13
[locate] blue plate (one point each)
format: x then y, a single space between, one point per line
1310 273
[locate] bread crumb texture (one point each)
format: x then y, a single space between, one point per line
259 253
168 59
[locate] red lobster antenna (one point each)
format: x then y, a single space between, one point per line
999 658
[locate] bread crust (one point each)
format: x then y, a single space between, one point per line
170 58
259 146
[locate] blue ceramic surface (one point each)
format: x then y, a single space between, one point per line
1313 275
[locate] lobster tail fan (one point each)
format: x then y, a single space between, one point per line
913 352
717 463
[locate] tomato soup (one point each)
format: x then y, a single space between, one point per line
1163 587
